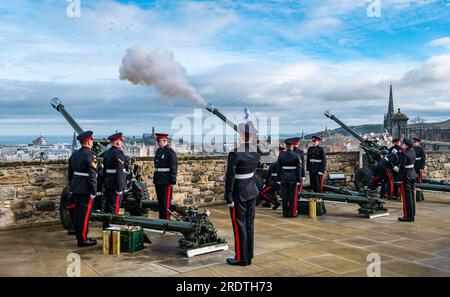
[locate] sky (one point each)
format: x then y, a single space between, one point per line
291 60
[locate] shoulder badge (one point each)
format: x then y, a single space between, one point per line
120 160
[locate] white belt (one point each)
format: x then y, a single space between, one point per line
81 174
409 166
315 161
243 176
417 159
274 174
114 171
289 167
162 169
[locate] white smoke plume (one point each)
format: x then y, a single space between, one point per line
158 68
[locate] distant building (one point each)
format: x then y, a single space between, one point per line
40 141
399 124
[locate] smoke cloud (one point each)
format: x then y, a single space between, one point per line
158 68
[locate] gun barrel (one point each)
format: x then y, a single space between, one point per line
56 103
347 128
211 108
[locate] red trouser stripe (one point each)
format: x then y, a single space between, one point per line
168 202
267 198
391 183
70 206
405 211
266 189
321 183
420 177
294 209
237 246
86 220
374 179
117 204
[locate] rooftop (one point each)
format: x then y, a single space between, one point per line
336 244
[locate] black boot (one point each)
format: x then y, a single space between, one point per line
233 261
277 204
88 242
405 219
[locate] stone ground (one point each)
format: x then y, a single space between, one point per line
336 244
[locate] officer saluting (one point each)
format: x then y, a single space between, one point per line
115 174
165 176
83 186
289 170
407 176
269 193
241 193
316 162
421 157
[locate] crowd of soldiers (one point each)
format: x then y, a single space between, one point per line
397 171
84 178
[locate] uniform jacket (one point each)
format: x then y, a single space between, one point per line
316 160
301 155
165 159
394 154
82 172
406 165
420 158
241 161
272 174
289 158
382 166
114 171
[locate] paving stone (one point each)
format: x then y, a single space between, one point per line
332 263
204 272
439 263
398 252
413 269
358 242
230 270
144 270
289 267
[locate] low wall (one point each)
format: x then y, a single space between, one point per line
29 191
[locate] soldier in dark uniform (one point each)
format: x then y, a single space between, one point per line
269 193
290 172
407 176
316 163
241 193
301 155
115 174
383 176
394 157
83 186
421 159
165 176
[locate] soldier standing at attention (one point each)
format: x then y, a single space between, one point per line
241 193
301 155
394 156
269 193
165 176
421 158
115 174
316 162
407 176
289 170
83 185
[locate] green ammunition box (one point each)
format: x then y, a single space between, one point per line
303 208
131 241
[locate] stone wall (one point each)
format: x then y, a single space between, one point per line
29 191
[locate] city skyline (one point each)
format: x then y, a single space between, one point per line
292 63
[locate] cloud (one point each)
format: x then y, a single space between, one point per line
440 42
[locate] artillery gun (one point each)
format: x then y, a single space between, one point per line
136 190
372 152
199 234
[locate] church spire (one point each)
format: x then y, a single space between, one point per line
391 102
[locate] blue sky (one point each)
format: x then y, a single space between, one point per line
288 59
